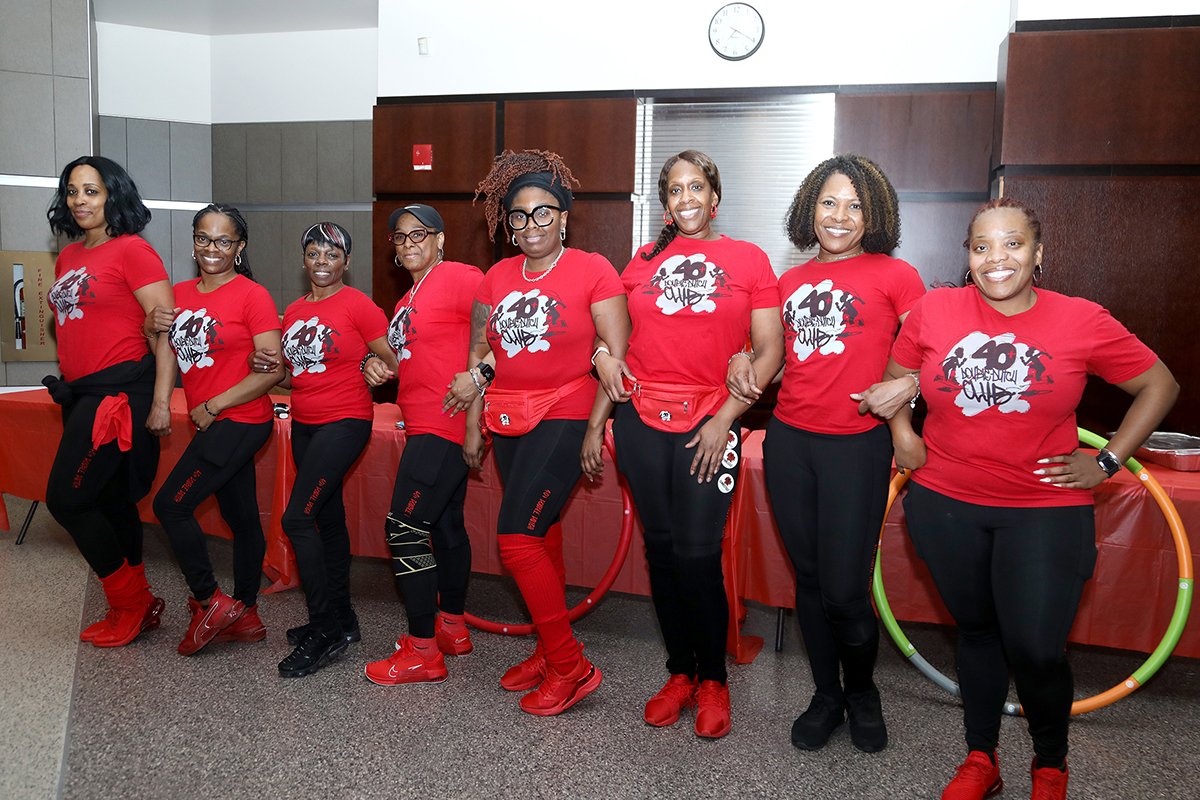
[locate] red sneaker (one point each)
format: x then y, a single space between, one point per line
133 609
679 693
558 692
406 665
977 778
528 674
450 640
96 628
712 710
222 612
1049 783
247 628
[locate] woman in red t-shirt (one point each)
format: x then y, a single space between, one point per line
431 552
219 319
694 298
1000 504
102 290
538 315
827 468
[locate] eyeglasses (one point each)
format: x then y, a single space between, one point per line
541 216
416 237
222 244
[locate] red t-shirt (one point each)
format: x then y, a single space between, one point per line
1002 391
98 320
324 341
431 332
542 331
690 306
839 320
213 335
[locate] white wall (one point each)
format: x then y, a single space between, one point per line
153 74
1094 9
482 46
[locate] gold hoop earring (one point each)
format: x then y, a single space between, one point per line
1037 274
967 279
237 260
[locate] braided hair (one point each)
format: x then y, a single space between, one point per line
508 166
1035 224
881 209
239 225
711 174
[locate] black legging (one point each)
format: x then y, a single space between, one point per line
828 494
315 517
684 523
218 461
539 470
426 533
1012 579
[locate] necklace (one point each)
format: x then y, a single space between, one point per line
858 251
412 296
545 272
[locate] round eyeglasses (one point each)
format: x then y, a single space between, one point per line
541 216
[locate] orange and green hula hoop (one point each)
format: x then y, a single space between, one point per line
1150 666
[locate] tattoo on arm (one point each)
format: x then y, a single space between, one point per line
479 318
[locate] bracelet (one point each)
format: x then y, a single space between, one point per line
362 365
486 371
206 408
599 350
740 353
475 380
917 380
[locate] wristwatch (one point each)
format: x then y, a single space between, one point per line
485 369
1108 462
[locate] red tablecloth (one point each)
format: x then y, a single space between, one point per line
1127 604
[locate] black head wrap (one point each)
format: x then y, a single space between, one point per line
542 180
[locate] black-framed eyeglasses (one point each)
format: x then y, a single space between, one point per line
541 216
222 244
416 237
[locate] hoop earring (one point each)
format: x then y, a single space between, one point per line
514 240
237 260
562 234
1037 274
441 254
967 279
396 260
668 220
713 213
193 255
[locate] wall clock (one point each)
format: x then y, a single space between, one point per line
736 31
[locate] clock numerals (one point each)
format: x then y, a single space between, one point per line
736 31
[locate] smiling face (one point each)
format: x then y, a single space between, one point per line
536 242
838 220
1003 252
86 196
325 264
691 200
417 258
211 259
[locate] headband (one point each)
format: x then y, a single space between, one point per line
540 180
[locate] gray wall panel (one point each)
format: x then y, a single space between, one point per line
112 139
294 280
229 163
149 155
191 162
69 30
158 235
263 249
263 163
335 162
300 162
23 212
363 168
361 260
29 373
25 40
72 119
180 265
931 236
26 123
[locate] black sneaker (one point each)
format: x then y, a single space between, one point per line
812 729
867 729
313 652
353 634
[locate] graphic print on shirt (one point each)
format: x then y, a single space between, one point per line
70 292
402 332
818 319
526 321
998 371
308 344
193 335
688 282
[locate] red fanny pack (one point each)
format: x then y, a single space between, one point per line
674 407
512 413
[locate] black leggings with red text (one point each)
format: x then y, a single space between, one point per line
218 461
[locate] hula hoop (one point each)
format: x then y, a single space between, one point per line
585 605
1143 673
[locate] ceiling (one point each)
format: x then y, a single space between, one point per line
218 17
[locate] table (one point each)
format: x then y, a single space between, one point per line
1127 604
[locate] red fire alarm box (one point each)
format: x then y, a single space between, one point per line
422 156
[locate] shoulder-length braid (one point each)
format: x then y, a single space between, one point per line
239 225
711 174
505 169
881 209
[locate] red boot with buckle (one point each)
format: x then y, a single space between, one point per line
132 609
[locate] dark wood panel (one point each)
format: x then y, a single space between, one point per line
1101 244
597 226
463 136
595 137
924 141
931 237
1102 97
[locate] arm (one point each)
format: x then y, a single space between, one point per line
610 366
378 371
909 448
766 338
473 446
158 297
892 393
462 389
611 318
1154 392
248 388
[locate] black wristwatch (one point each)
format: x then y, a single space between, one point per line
1108 462
485 369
